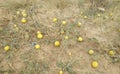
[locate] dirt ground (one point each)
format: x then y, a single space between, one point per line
99 29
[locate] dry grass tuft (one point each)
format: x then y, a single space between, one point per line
16 4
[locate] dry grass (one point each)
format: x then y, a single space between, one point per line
99 32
